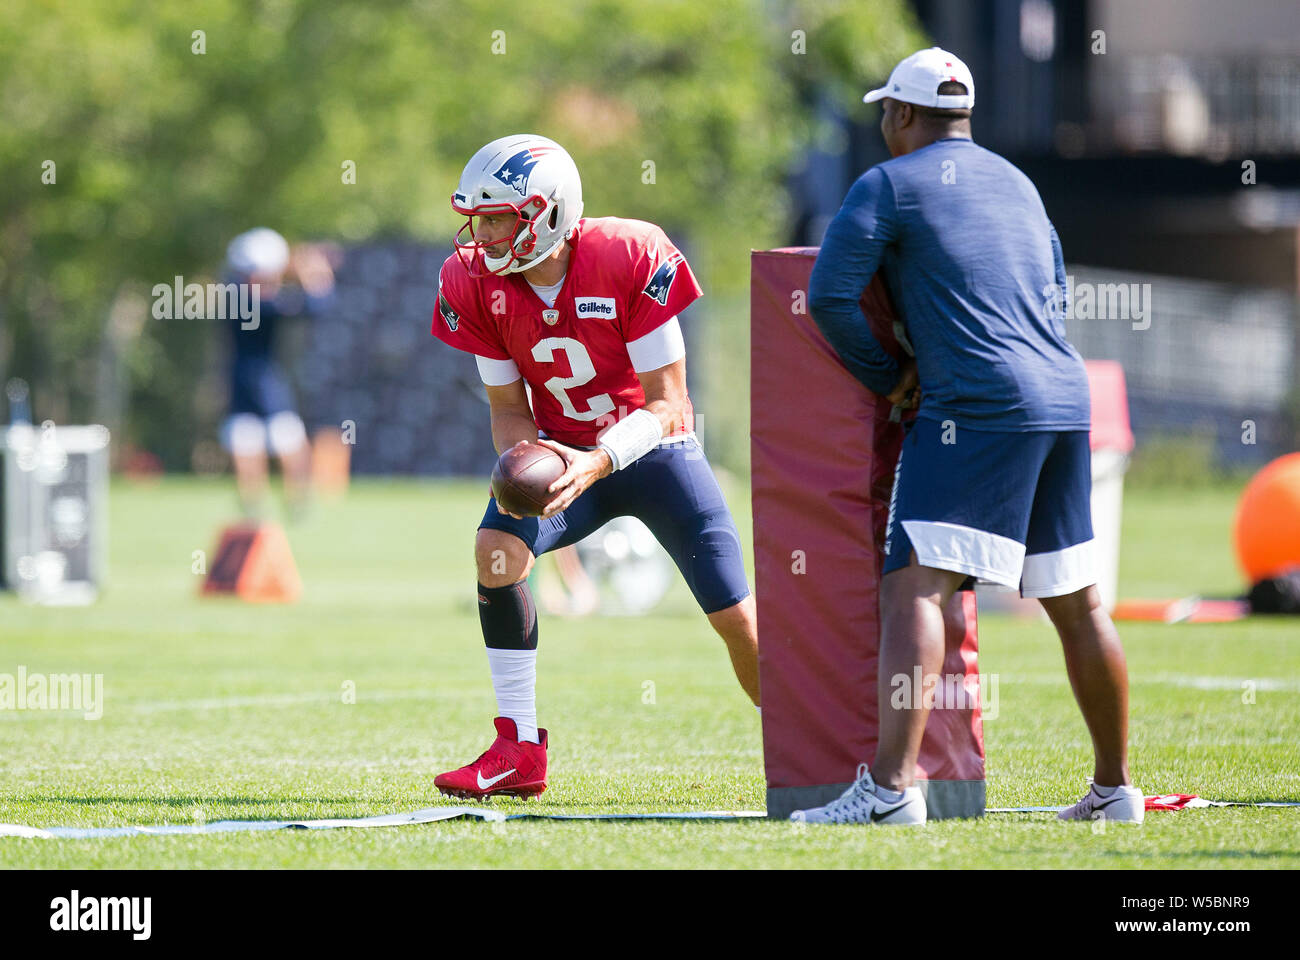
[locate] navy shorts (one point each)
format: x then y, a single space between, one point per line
672 491
259 387
1005 508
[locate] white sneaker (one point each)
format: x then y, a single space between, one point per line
859 804
1124 805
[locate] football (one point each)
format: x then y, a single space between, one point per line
521 476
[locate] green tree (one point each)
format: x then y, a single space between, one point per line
163 141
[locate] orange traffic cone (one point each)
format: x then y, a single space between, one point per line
254 563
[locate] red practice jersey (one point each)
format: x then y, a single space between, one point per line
625 279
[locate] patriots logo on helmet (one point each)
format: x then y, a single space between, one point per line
448 314
514 172
662 281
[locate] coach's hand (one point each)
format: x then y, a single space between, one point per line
583 468
907 391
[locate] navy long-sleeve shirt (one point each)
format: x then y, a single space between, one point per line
975 269
258 384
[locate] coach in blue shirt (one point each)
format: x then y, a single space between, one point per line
994 479
262 415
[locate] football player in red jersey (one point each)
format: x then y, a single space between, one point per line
573 323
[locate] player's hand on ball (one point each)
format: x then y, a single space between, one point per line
507 513
582 469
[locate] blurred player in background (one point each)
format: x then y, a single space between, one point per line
582 312
994 478
262 416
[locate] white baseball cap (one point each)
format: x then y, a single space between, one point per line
260 250
916 80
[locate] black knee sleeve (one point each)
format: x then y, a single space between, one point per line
508 616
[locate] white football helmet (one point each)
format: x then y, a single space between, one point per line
530 176
260 250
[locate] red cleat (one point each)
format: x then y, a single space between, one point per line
509 767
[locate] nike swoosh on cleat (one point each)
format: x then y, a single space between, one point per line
484 784
876 818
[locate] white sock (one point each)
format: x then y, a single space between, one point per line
889 796
760 711
1103 792
514 678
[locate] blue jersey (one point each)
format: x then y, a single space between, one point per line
258 385
975 269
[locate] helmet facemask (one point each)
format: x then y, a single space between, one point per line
521 241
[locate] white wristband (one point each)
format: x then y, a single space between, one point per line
632 437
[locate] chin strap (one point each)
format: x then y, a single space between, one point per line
539 257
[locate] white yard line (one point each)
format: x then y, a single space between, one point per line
1267 684
275 700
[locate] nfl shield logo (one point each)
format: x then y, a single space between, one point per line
552 317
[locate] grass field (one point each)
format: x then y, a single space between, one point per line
219 710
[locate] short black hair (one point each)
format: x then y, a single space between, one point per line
939 115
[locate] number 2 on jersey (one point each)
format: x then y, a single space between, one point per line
584 371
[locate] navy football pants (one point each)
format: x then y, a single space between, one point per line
672 491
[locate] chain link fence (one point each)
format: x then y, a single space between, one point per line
1205 360
1210 106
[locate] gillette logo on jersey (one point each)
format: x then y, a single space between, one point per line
595 307
515 171
625 279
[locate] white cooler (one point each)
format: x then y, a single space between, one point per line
53 522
